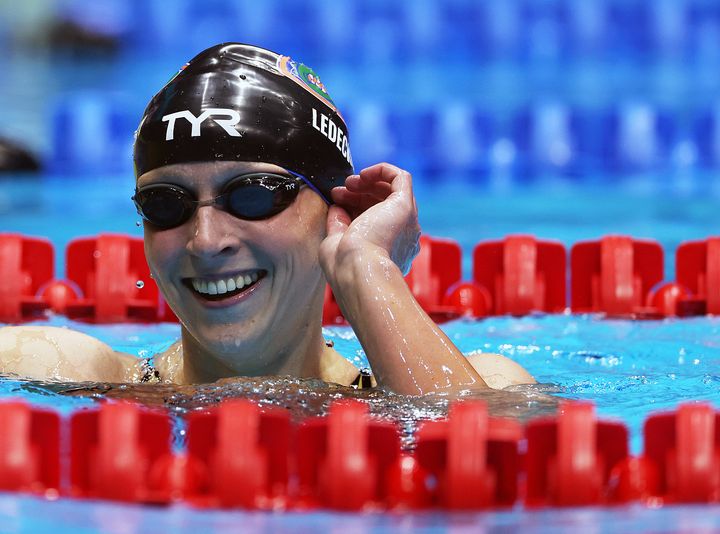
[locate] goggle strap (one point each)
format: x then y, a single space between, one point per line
310 185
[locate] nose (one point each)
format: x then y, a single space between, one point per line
212 233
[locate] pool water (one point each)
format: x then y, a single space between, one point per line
25 514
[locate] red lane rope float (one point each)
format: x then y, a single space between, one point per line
522 274
697 268
614 275
244 453
113 275
570 457
343 459
26 264
109 281
114 451
29 449
474 458
683 448
241 456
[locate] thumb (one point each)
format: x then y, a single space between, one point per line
338 220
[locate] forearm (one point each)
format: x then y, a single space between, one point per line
408 353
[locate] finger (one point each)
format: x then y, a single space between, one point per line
399 180
379 190
384 172
338 220
402 186
354 203
402 183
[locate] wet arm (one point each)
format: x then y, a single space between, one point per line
408 352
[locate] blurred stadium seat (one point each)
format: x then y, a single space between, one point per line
92 132
526 88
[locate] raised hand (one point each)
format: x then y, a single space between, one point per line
374 213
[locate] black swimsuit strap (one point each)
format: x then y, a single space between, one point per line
150 373
363 379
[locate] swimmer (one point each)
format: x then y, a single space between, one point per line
251 205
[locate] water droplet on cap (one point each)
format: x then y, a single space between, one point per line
139 284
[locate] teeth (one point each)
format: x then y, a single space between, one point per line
220 287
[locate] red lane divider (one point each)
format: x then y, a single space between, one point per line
344 458
522 274
683 447
245 454
614 275
107 269
26 264
473 457
697 267
570 457
109 281
332 315
121 452
29 449
241 456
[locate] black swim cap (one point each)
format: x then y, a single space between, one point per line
236 102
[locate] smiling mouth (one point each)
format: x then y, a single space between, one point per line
225 287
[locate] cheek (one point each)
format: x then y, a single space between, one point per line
161 249
310 213
294 238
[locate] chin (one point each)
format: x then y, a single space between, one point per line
229 338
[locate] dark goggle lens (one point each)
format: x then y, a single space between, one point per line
164 206
260 197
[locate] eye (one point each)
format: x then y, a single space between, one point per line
252 200
164 206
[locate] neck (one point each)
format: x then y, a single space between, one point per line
300 356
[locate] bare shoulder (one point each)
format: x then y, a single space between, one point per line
47 352
499 371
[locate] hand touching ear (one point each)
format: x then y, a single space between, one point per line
374 212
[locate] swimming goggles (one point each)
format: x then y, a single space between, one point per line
253 196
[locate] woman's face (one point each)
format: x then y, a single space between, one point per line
275 260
